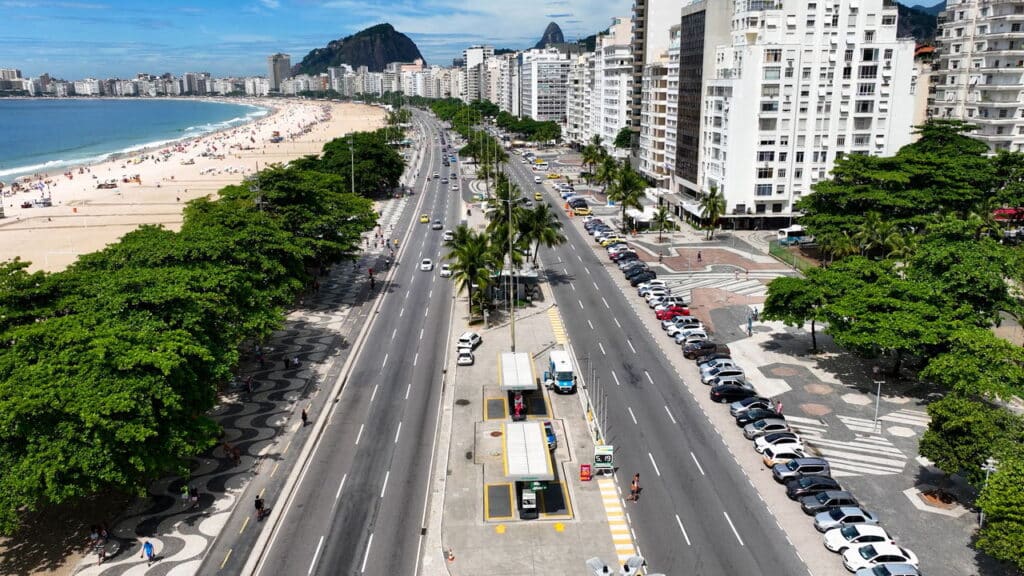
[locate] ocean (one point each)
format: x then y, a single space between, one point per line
48 135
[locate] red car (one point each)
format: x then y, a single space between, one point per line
672 312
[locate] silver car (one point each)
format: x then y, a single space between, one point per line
836 517
762 427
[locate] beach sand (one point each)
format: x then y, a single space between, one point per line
84 218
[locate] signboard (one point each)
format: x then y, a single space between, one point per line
604 460
585 474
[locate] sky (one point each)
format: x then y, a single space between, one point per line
120 38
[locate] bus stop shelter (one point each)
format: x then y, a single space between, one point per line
526 454
517 373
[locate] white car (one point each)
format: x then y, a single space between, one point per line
677 327
840 539
691 333
446 271
537 180
779 439
868 555
469 340
692 339
643 288
427 265
448 235
465 357
721 372
455 187
716 363
682 322
780 455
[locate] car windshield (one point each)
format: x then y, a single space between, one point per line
848 532
822 497
836 513
867 552
792 465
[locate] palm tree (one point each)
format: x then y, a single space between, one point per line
663 221
712 207
472 261
982 218
593 153
627 189
838 246
543 227
607 168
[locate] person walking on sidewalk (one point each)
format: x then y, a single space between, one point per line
305 418
148 553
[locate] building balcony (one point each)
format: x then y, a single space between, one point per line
995 120
999 88
1014 52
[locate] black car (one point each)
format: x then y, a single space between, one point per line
712 356
755 414
634 271
699 348
627 259
809 486
730 393
750 404
620 255
640 279
631 266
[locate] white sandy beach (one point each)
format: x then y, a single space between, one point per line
152 187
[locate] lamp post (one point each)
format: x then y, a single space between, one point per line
991 465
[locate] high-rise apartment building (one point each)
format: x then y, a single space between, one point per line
278 68
612 82
544 81
475 58
979 72
799 85
578 92
652 20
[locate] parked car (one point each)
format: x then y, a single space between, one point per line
747 403
774 455
648 286
801 467
711 356
869 555
825 521
681 321
762 427
889 569
777 439
840 539
704 348
824 501
646 275
810 485
630 254
469 340
671 312
633 268
683 324
720 372
716 364
656 292
751 416
465 357
673 301
688 337
734 380
731 393
549 432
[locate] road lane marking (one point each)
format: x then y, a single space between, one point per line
591 324
580 258
731 525
226 556
618 522
573 286
401 312
340 487
360 435
653 463
431 294
649 379
397 432
631 415
694 456
366 556
606 305
633 349
315 555
374 394
384 488
670 416
616 378
573 246
393 332
581 304
601 346
683 530
408 388
244 524
426 311
617 322
565 271
415 358
595 285
421 333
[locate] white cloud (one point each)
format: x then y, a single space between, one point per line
272 4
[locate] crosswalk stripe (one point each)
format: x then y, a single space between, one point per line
861 468
871 449
803 420
861 459
622 536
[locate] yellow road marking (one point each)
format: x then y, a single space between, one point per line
622 537
226 556
244 524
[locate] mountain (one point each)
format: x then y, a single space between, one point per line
552 35
917 23
373 48
933 10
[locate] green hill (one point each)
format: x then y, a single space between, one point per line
374 48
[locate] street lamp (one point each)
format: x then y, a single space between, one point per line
991 465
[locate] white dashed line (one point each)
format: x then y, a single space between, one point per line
670 416
374 394
606 304
415 358
340 486
366 556
573 286
653 463
694 456
616 378
398 432
581 304
421 333
316 554
634 351
595 285
579 257
408 389
631 415
360 435
731 525
617 322
649 379
401 312
591 324
601 346
683 530
393 332
384 363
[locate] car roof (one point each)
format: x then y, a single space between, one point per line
775 422
848 510
872 529
467 334
885 548
900 569
811 460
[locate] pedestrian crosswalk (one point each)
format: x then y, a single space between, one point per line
622 536
867 454
557 326
752 285
908 417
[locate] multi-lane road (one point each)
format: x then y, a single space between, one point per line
698 514
358 506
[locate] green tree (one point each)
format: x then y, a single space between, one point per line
627 189
607 171
624 139
712 208
544 228
662 221
472 262
796 301
1002 502
978 364
593 153
964 432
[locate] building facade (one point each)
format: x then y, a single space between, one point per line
979 71
278 68
544 79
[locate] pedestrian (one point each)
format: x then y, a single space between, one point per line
148 553
248 383
305 417
634 488
778 407
193 497
260 507
736 275
184 494
755 313
295 361
698 257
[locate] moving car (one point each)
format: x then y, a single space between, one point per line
465 357
446 271
840 539
824 501
426 265
537 180
424 218
437 225
825 521
869 555
538 196
448 235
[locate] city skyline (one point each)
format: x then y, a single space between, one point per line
117 38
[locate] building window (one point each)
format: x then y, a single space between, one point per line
799 157
767 124
888 20
867 72
847 72
763 173
783 156
862 123
769 106
765 156
869 54
841 140
773 55
770 90
759 208
806 74
761 190
861 139
848 55
865 89
865 106
869 35
772 73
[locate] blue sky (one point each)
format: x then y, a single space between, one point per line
119 38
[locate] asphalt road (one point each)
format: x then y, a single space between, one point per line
358 506
697 513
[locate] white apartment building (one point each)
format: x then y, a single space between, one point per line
612 83
579 90
980 69
544 78
800 84
87 87
255 86
475 59
658 110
